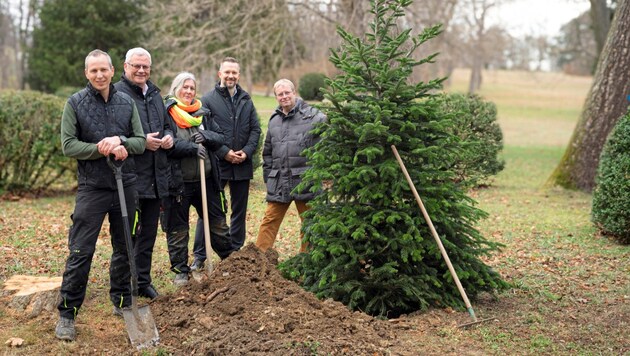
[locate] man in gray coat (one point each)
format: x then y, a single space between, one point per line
288 134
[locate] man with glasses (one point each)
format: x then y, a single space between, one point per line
152 166
288 134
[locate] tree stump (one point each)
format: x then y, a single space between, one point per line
34 294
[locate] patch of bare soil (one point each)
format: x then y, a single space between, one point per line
247 308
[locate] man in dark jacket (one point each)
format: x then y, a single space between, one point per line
233 110
152 166
97 122
288 134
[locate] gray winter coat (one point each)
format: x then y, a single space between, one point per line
283 161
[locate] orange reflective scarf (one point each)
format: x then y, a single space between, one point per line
181 114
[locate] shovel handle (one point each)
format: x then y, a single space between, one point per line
435 235
116 166
206 223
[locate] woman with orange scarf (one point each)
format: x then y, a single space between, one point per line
196 135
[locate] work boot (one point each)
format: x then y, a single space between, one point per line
181 279
197 265
148 292
65 329
118 311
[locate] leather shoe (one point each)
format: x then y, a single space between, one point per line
148 292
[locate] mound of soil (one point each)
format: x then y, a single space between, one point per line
247 307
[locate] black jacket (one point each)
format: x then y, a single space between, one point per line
151 166
240 125
184 164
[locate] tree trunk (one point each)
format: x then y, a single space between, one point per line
475 75
605 104
34 294
600 17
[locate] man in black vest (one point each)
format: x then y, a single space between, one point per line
98 121
233 110
152 165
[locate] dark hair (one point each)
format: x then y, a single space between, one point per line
229 60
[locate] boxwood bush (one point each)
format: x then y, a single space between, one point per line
611 197
310 84
31 158
474 121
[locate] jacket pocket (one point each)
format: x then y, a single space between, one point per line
272 182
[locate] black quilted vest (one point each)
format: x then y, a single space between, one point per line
96 120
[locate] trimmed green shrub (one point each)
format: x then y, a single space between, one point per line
474 121
310 85
31 157
611 197
66 91
369 244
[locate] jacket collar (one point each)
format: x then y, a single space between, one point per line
96 93
224 92
298 108
136 89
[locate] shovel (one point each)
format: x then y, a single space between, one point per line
139 320
439 242
206 224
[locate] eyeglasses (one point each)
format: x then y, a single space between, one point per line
140 66
284 94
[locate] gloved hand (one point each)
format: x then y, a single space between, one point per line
201 152
197 137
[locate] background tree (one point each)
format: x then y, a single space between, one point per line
605 104
68 29
477 37
370 246
7 48
576 49
196 35
601 16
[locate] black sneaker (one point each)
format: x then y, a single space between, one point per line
65 329
148 292
197 265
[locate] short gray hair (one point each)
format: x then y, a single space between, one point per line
179 80
284 82
138 51
98 53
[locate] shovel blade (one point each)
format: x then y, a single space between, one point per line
141 327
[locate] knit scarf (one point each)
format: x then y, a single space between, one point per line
181 113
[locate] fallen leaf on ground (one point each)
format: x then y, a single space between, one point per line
14 342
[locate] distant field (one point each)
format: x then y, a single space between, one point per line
534 108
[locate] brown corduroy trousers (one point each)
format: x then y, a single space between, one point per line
271 223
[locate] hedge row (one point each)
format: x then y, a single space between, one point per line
31 157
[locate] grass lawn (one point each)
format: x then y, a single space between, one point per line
572 286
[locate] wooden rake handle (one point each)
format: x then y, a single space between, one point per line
435 235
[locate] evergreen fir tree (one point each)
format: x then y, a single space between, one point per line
370 246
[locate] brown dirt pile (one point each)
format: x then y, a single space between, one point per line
247 307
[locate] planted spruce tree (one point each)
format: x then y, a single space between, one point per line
370 247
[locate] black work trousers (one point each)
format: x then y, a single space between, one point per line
91 206
146 232
239 196
176 218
